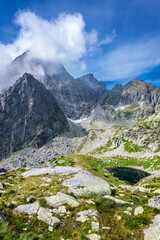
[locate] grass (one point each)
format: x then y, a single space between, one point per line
152 163
71 229
130 147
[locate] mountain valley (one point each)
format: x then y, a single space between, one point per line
59 136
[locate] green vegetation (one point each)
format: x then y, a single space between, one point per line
130 147
21 226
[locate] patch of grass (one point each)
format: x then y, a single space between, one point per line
158 150
104 205
130 147
67 161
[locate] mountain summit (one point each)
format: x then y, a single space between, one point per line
29 115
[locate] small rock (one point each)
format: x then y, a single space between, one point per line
83 218
47 179
14 202
7 204
138 210
95 218
2 174
90 212
157 191
121 195
127 212
116 200
129 208
24 229
106 228
50 229
90 202
44 185
119 217
29 199
9 184
95 226
93 237
61 161
3 191
1 185
60 180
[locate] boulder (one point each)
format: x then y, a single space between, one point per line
58 170
28 208
93 237
95 226
83 184
60 199
45 215
154 202
138 210
153 232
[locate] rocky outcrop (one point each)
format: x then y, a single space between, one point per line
76 97
29 115
134 91
137 99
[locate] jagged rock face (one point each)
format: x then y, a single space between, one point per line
135 91
76 97
112 97
29 114
135 100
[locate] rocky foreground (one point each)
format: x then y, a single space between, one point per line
75 197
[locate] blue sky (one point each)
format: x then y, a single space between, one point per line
125 35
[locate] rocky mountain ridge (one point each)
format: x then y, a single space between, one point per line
78 97
29 115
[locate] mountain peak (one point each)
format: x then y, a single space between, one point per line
29 115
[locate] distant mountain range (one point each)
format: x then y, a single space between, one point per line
33 111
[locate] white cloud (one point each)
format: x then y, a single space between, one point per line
108 39
62 40
131 60
58 40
